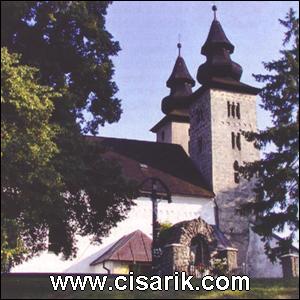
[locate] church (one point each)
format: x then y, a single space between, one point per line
199 147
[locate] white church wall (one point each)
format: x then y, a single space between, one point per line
180 135
140 217
174 133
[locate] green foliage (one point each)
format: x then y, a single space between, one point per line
68 42
12 249
164 226
27 148
53 177
277 184
219 266
163 232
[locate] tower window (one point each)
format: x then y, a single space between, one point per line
232 140
200 145
238 141
162 135
233 109
228 109
200 116
236 172
238 111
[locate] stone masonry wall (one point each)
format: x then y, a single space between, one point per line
201 130
217 158
176 242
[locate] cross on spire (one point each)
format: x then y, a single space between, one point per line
179 45
214 9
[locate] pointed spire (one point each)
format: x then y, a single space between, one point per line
180 73
217 50
180 82
216 38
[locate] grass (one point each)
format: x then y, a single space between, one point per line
39 287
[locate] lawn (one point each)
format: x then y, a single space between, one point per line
36 287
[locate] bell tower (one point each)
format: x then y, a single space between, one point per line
221 108
174 127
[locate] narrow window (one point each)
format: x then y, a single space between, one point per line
228 109
233 109
236 165
238 111
162 135
200 117
233 140
200 145
238 141
236 172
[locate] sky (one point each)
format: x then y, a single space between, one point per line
148 33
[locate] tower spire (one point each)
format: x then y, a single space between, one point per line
220 70
217 50
180 83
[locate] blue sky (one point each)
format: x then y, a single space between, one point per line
148 34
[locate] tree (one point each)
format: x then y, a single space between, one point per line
68 42
27 148
277 183
65 50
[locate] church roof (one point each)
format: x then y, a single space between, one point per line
169 162
220 70
180 82
134 247
216 38
225 84
170 118
180 73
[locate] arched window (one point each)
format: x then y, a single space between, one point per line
238 141
199 253
228 109
233 109
238 111
236 172
232 140
236 165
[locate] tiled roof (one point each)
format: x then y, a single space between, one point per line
134 247
169 162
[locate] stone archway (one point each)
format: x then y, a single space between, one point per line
176 243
